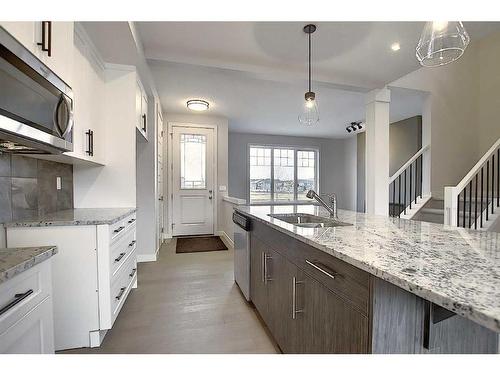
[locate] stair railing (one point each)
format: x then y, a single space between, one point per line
405 186
470 203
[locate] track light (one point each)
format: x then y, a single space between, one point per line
355 126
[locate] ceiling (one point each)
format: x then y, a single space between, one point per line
255 105
346 53
255 73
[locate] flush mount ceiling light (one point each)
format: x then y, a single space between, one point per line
309 115
197 105
395 46
441 43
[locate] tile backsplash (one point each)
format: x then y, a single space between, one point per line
28 187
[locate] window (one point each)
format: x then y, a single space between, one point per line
281 173
193 167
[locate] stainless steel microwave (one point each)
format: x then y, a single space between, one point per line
36 106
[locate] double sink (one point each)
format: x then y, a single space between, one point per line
309 221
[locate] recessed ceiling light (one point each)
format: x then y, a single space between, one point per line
395 46
197 105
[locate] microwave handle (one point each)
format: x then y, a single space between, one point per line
69 125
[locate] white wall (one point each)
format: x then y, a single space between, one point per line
453 113
114 184
337 163
222 154
489 92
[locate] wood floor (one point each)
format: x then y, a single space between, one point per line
186 303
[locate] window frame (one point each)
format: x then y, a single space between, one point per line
295 149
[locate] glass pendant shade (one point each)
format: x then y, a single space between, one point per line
310 113
441 43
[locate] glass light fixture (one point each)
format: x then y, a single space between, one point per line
441 43
310 114
197 105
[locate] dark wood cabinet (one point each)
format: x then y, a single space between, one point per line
303 315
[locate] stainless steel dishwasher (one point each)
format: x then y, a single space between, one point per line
242 253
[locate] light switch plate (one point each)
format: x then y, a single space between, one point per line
58 183
222 188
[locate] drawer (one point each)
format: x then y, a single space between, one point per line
120 252
119 228
32 334
122 285
24 291
349 282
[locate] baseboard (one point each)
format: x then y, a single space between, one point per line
141 258
225 238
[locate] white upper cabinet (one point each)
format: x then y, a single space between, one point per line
141 109
51 42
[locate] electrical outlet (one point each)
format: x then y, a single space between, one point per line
58 183
222 188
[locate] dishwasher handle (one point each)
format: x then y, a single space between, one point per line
242 221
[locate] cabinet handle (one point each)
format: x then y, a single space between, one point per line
132 243
46 42
89 142
118 230
131 221
266 276
120 295
17 298
144 121
331 274
117 259
294 297
262 265
134 270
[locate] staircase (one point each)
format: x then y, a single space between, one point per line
475 201
406 187
432 212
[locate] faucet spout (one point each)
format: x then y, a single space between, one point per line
331 207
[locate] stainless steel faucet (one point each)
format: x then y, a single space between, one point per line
331 207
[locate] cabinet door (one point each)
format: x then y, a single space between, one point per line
335 326
24 32
258 288
279 297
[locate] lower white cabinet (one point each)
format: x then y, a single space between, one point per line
27 327
93 273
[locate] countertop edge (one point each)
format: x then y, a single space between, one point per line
59 223
25 265
466 311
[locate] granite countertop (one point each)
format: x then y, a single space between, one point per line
456 268
17 260
77 216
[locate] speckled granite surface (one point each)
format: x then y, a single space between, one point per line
77 216
456 268
16 260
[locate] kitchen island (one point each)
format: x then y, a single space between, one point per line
399 286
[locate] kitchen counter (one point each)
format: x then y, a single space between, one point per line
77 216
456 268
14 261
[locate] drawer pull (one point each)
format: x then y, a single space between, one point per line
134 270
118 230
120 295
294 297
331 274
120 257
131 221
131 244
17 298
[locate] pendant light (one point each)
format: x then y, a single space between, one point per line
309 115
441 43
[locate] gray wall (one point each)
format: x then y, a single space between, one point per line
337 163
405 139
28 187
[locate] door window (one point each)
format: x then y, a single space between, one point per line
193 161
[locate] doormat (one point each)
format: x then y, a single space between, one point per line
199 244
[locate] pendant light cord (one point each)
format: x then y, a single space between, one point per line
309 62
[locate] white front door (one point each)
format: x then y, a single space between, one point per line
192 181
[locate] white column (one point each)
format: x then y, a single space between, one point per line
377 152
